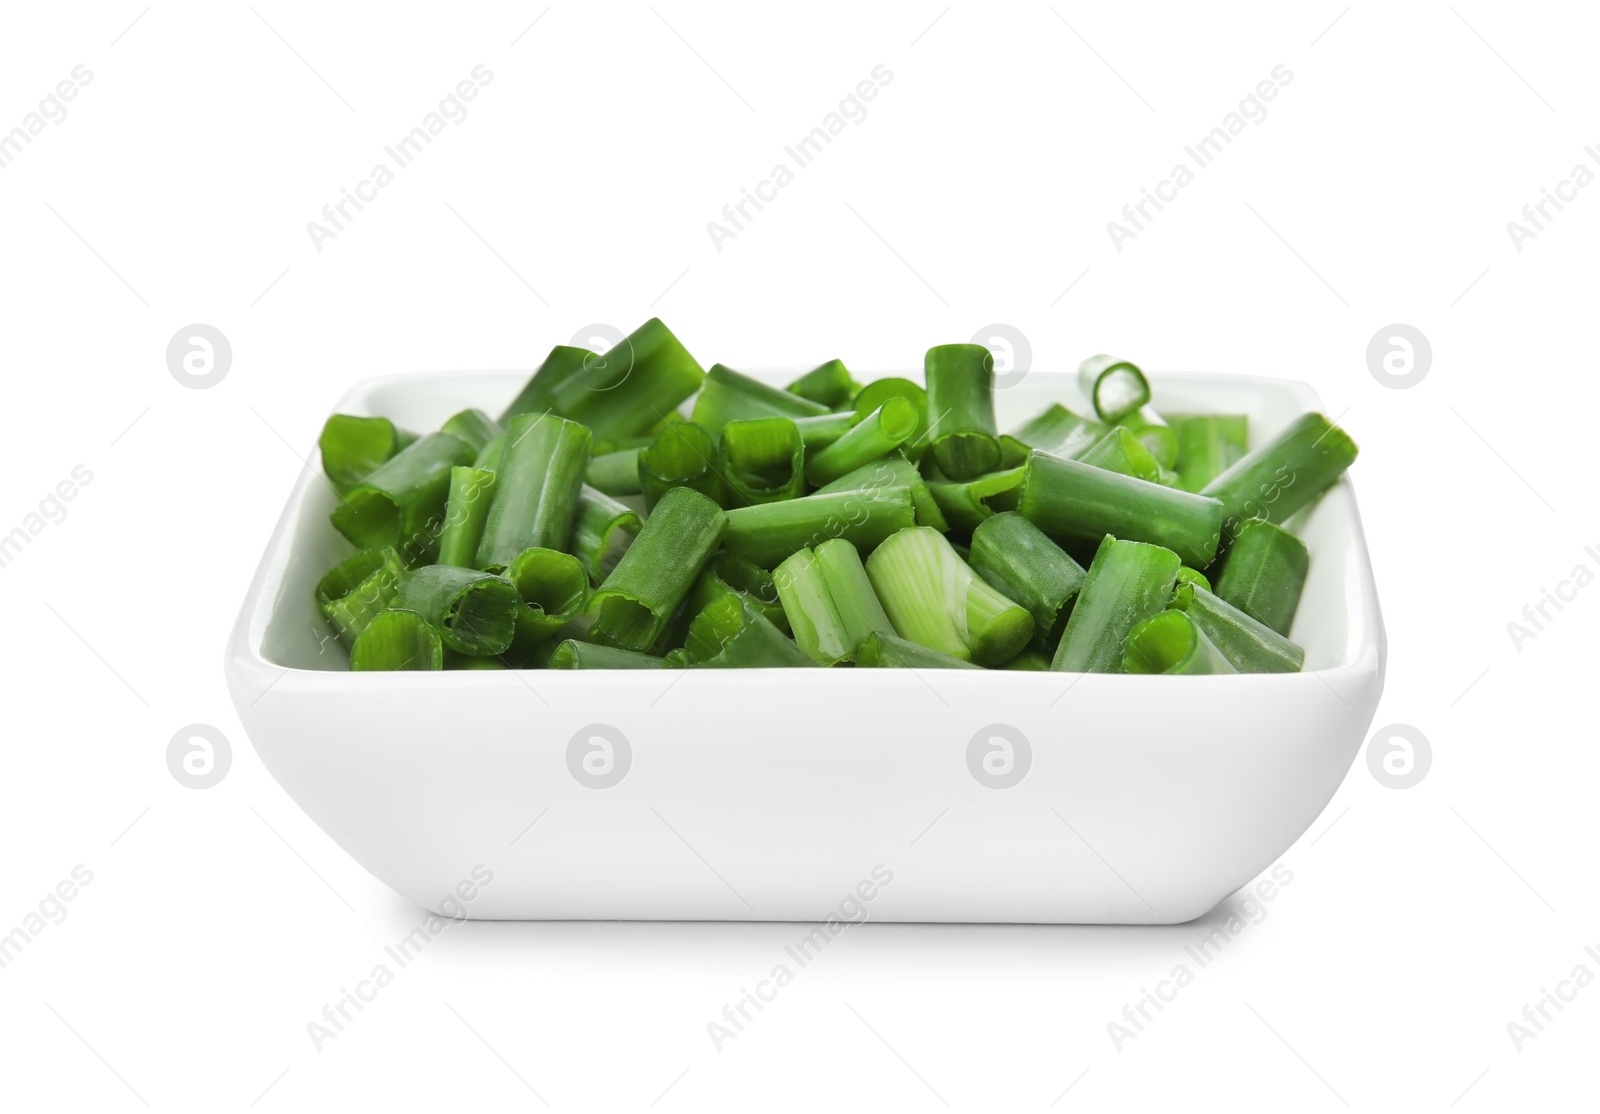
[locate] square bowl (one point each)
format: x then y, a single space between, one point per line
810 794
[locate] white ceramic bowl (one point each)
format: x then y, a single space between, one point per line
793 794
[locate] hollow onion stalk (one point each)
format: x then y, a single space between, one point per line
401 502
873 438
632 387
601 531
1170 642
536 488
355 590
397 639
828 384
730 634
1019 560
1127 582
768 533
763 460
572 654
935 599
633 605
890 651
1288 472
730 396
960 384
475 612
1264 573
353 447
1115 387
552 587
465 512
876 393
682 455
1250 646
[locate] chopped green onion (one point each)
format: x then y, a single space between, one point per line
1017 557
632 607
1170 642
1077 502
763 460
353 447
729 396
356 589
572 654
536 489
1264 573
1155 434
768 533
828 384
890 651
818 629
615 473
1056 430
935 599
465 512
397 639
601 532
893 471
1127 583
538 395
967 505
821 430
873 438
730 634
476 612
474 427
1186 575
727 575
851 591
1305 459
488 458
1250 646
879 391
960 381
682 455
1208 445
1116 387
1121 451
401 502
632 387
552 587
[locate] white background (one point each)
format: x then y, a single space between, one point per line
977 190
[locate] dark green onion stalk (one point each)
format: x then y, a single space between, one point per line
1016 557
967 505
602 531
1155 434
553 588
572 654
538 395
475 612
935 599
873 438
821 430
1250 646
889 651
1076 502
730 634
828 385
879 391
1208 445
465 512
473 427
1126 584
960 379
893 471
768 533
1116 387
1171 643
730 396
1056 430
727 575
1264 573
536 489
763 460
682 455
395 640
354 447
631 388
1290 471
632 607
356 589
1121 451
402 502
615 473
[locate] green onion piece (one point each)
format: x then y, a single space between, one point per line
729 396
1250 646
1031 660
851 591
818 629
873 438
1171 643
488 458
879 391
1155 434
1186 575
356 589
353 448
572 654
1208 445
1305 459
602 531
893 471
538 395
1077 502
476 612
1121 451
397 639
1056 430
682 455
828 384
474 427
965 506
552 587
615 473
401 503
821 430
960 380
763 460
1116 387
1017 557
632 387
935 599
536 489
1264 573
632 607
727 575
1127 583
730 634
465 512
768 533
889 651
